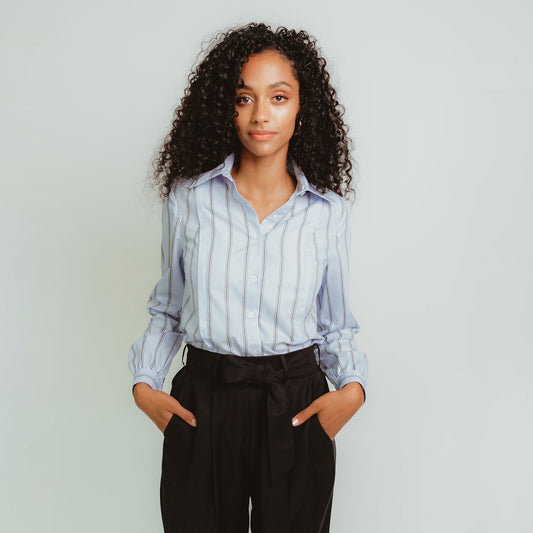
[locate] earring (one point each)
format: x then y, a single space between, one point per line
299 126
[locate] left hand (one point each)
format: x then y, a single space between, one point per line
334 408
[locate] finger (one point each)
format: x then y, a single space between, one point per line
183 413
305 414
188 417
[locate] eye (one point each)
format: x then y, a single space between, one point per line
243 99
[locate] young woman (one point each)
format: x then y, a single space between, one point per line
255 280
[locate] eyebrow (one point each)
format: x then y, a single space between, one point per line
242 85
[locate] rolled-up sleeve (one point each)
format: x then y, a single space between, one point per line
340 358
150 356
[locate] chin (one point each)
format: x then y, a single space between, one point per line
262 148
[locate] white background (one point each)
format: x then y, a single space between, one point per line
439 101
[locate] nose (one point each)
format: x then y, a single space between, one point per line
261 111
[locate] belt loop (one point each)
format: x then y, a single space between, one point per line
284 363
318 346
183 353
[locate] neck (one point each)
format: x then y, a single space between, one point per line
263 177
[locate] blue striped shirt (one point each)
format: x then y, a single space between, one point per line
233 285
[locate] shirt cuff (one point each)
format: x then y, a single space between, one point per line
145 378
351 379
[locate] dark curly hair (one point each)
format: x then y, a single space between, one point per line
203 132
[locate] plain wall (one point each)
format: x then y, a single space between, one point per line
439 101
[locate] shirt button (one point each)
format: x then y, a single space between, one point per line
254 352
254 240
251 314
253 278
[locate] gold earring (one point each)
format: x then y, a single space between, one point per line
299 126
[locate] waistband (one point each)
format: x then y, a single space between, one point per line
256 370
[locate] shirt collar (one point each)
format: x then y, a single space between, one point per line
225 167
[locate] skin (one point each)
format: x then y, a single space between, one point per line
262 177
263 180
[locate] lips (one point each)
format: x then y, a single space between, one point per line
261 135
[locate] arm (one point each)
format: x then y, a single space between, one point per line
341 360
151 355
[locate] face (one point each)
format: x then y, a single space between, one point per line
267 99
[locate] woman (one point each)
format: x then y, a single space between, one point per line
255 248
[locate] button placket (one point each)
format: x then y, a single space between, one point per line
252 285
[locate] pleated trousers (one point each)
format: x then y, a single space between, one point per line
244 448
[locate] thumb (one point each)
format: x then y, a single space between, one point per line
183 413
305 414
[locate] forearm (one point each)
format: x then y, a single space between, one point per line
353 391
141 391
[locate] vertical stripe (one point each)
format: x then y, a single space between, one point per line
298 271
244 284
228 256
341 275
187 247
329 255
280 282
194 254
312 301
209 317
263 270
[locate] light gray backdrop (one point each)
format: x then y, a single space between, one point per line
439 99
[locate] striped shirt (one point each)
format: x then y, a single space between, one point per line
233 285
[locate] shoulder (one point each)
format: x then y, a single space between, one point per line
337 201
181 191
188 186
336 209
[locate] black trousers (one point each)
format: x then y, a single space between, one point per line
244 447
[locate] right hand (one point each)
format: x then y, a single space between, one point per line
160 406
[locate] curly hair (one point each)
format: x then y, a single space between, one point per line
203 132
